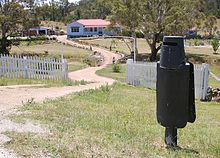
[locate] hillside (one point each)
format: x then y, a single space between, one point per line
54 24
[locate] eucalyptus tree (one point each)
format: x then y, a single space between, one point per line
168 17
156 18
129 14
12 18
210 25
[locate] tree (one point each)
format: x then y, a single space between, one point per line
12 18
156 18
215 45
96 9
167 17
210 25
212 7
128 13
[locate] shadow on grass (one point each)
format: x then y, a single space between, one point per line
197 58
186 150
194 58
139 57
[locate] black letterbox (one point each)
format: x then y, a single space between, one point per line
175 88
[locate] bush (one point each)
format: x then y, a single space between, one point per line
116 68
215 45
196 42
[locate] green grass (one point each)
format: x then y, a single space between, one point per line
53 50
117 121
45 83
216 70
108 72
32 42
76 66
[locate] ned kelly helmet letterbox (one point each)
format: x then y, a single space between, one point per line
175 88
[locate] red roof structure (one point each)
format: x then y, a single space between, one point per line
94 22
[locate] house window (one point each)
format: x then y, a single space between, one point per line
91 29
75 29
86 30
95 29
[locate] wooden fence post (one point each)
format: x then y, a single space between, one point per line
65 69
205 85
33 67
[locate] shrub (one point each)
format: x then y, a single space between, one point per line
116 68
196 42
215 45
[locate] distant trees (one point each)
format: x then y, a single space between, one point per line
12 20
92 9
153 18
129 14
210 25
156 18
212 7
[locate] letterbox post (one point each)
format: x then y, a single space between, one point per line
175 89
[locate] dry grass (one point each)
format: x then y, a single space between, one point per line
195 54
53 49
121 46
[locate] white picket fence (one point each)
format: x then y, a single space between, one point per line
145 74
33 67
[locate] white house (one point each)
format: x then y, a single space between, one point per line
90 27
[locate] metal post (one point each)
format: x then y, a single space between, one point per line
205 79
134 48
171 137
62 51
25 67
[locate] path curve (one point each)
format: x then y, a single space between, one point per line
13 96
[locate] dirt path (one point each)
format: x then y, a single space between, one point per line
13 96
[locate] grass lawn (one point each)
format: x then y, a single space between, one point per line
32 42
144 48
196 55
117 121
108 72
74 66
53 50
216 70
120 45
45 83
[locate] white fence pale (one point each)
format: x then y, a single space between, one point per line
145 74
33 67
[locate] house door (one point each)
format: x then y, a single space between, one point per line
100 33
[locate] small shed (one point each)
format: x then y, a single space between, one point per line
40 31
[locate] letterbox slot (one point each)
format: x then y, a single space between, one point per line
170 43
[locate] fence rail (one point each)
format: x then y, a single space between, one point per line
145 74
33 67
